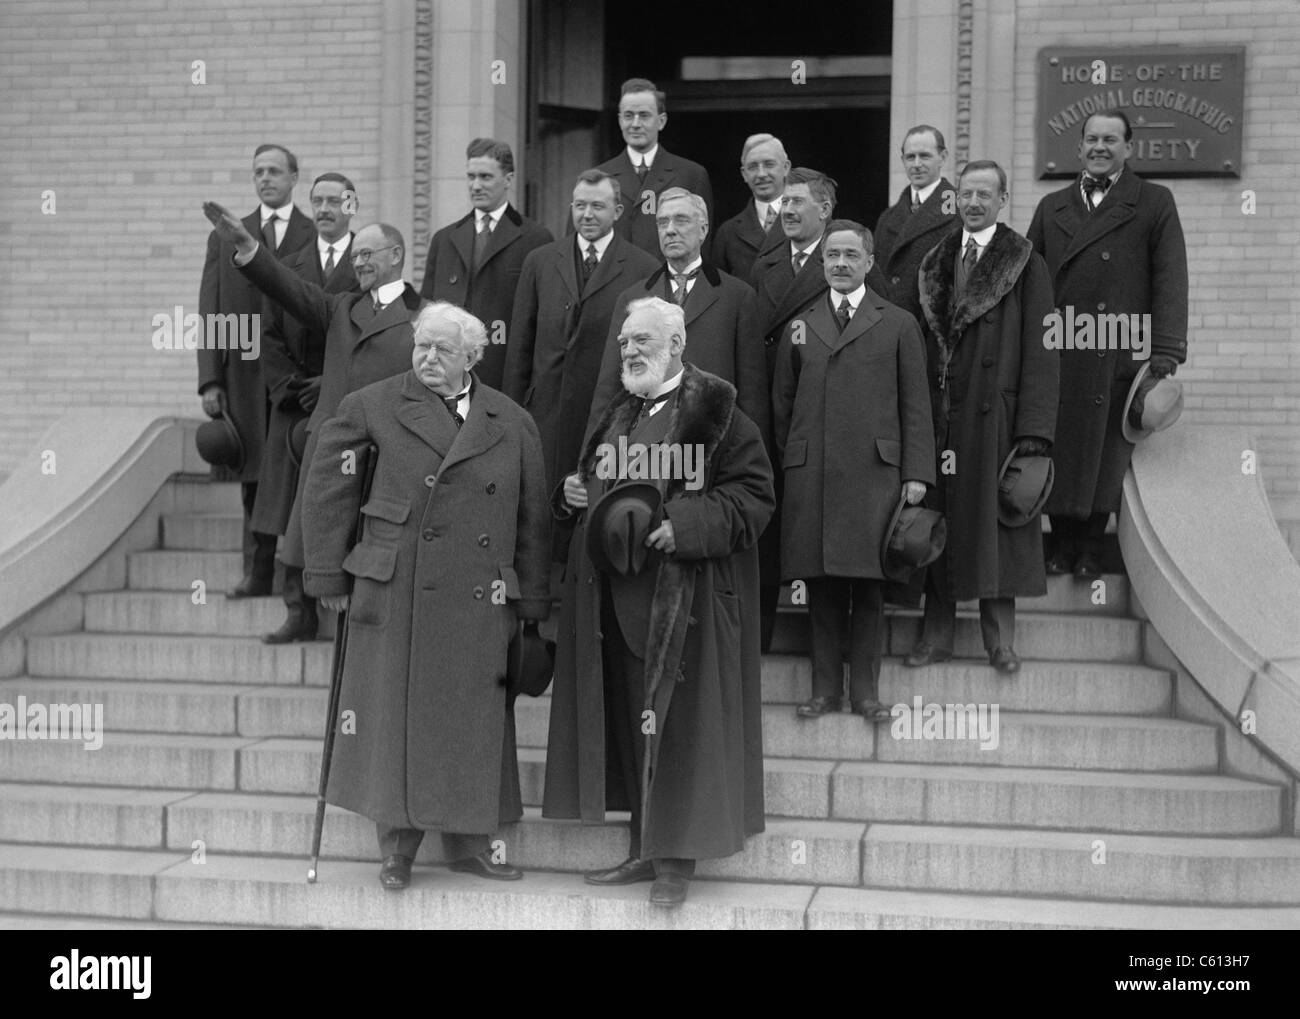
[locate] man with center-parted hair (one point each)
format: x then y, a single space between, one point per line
756 229
656 706
851 417
452 554
476 261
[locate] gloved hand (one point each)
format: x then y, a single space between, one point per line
1162 365
309 394
1029 446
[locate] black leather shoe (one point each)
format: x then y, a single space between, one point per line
926 653
1004 660
629 872
815 707
1088 566
872 711
298 626
669 890
1060 564
482 866
252 586
395 874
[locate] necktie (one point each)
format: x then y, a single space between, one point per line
1091 185
641 171
452 403
589 264
329 263
374 297
481 240
845 312
971 256
797 261
769 219
680 279
916 201
268 232
649 403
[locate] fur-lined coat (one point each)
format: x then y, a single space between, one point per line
703 666
1002 386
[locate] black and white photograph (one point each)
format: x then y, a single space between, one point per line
564 465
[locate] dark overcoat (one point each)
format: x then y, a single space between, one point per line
637 223
902 237
722 339
702 647
739 241
1002 385
851 414
1125 257
489 293
361 346
558 333
453 551
291 353
781 293
224 291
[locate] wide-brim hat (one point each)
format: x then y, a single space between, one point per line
218 442
530 662
295 437
1024 483
1162 403
914 538
619 524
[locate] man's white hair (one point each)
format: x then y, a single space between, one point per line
671 316
754 140
473 335
696 202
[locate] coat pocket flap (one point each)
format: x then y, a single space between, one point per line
796 453
891 451
511 580
374 562
387 509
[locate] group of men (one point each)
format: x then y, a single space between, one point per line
901 368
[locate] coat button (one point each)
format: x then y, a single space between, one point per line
1105 256
985 408
895 281
1101 305
452 278
491 488
478 592
1101 353
483 540
988 362
567 305
768 340
427 534
1097 400
430 480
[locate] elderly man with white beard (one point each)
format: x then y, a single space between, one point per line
656 702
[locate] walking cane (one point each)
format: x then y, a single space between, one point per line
336 678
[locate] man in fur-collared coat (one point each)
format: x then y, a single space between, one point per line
679 638
984 292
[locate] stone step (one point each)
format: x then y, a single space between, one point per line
1110 597
168 888
113 816
1107 801
168 612
177 569
207 532
172 657
149 760
142 706
195 494
1085 865
1053 636
39 922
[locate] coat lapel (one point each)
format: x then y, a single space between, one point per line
503 235
702 296
1118 208
421 415
927 217
608 269
462 239
568 274
480 431
867 315
393 314
343 278
299 231
810 282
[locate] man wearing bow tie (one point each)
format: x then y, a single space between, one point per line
228 382
1114 246
756 229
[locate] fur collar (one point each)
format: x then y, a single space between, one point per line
993 277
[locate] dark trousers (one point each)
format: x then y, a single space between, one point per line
997 621
624 673
259 548
846 611
1074 536
406 842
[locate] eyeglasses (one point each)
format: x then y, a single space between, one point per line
362 257
441 351
628 117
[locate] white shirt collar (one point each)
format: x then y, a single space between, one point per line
982 238
855 297
495 215
602 245
643 157
812 246
761 207
699 261
390 292
669 385
927 191
283 212
341 245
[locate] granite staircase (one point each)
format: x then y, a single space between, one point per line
1097 808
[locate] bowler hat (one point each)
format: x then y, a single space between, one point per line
530 662
914 538
1152 405
296 439
219 443
1024 483
618 525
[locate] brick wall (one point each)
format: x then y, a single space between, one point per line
1244 327
99 107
